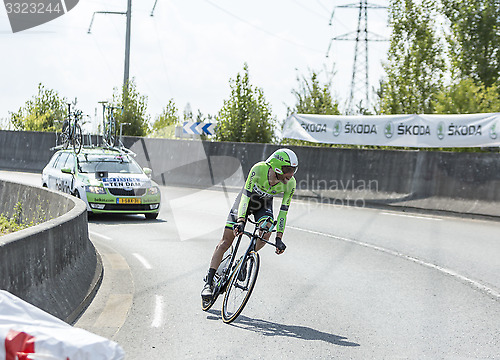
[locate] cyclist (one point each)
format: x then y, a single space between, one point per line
265 179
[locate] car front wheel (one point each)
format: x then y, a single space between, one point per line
151 216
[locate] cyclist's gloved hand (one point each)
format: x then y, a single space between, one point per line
238 227
280 246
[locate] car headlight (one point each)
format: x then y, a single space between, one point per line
95 189
154 190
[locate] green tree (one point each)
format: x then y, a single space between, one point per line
313 98
4 123
474 39
44 112
246 116
188 113
466 97
134 117
164 125
415 66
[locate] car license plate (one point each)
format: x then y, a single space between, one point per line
128 201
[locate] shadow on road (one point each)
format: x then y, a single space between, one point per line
268 328
115 219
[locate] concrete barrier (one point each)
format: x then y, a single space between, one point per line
25 150
53 265
466 183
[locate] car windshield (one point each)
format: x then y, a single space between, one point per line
110 163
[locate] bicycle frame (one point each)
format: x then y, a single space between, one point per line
69 134
228 270
109 124
70 124
76 115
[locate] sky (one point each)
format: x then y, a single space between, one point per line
187 51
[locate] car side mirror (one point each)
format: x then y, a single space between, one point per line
147 171
67 170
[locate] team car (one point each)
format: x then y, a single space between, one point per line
108 180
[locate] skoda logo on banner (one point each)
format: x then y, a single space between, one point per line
440 130
337 128
389 130
493 131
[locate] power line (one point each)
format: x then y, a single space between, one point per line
128 13
322 5
259 28
361 36
310 10
153 9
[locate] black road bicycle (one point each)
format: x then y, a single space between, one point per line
109 127
237 277
71 131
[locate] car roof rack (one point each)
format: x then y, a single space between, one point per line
58 147
120 149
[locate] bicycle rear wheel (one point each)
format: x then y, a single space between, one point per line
207 304
77 139
220 280
110 136
240 287
64 136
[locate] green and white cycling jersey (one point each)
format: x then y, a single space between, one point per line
257 184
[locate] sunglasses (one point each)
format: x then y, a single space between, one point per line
289 169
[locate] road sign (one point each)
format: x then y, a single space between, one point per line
198 128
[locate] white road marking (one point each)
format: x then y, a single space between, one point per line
143 261
157 319
93 233
115 312
116 261
481 287
412 216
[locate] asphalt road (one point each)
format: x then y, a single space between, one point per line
354 283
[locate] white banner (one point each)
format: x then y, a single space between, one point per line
26 332
467 130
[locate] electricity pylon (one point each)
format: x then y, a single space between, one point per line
128 13
360 65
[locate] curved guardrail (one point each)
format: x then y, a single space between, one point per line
52 265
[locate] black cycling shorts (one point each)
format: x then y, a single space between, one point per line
258 206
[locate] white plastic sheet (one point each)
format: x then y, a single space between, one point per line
27 332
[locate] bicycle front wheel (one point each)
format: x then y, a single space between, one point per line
240 287
77 139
